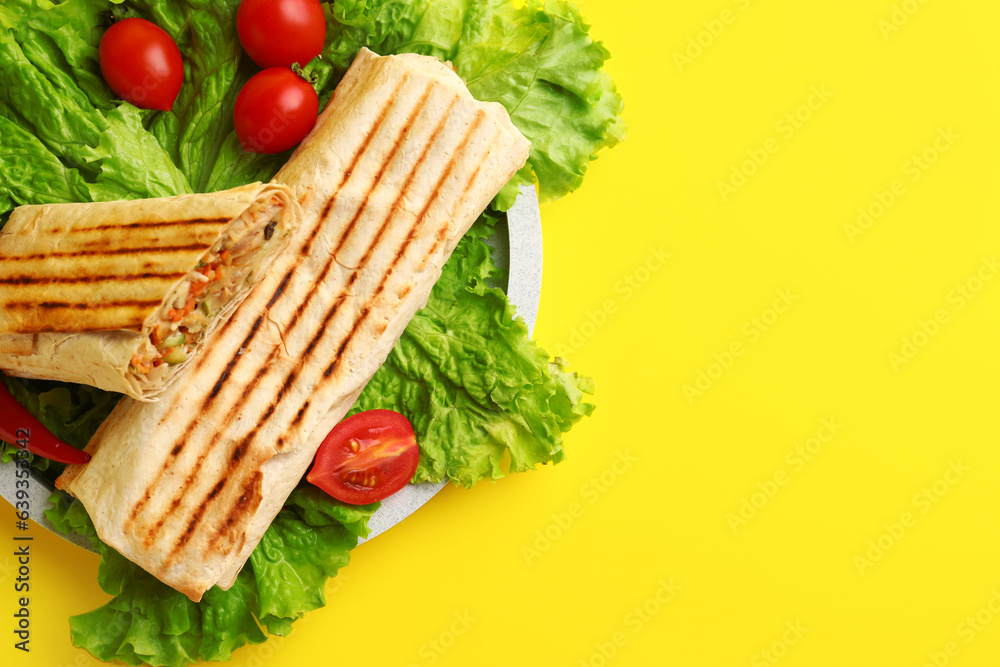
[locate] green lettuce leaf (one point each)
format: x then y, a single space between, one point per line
147 622
538 60
305 545
194 131
32 172
136 166
39 91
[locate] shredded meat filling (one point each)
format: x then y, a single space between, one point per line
203 294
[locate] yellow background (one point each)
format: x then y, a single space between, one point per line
661 516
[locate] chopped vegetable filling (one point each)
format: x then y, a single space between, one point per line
204 293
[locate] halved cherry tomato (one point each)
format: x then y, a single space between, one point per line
367 457
281 32
141 64
274 111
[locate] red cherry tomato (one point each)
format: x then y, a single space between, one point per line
281 32
367 457
141 64
274 111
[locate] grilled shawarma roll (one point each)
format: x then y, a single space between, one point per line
400 164
122 295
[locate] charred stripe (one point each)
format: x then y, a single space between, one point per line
155 223
67 305
69 280
141 250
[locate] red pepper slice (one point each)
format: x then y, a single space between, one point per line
19 427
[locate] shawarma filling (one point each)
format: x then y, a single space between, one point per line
187 314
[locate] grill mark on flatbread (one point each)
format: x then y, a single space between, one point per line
302 412
66 305
70 280
141 250
439 238
192 524
363 315
217 387
280 289
178 448
153 223
443 232
237 509
409 237
240 449
305 249
401 137
234 459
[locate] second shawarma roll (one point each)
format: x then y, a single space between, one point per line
122 295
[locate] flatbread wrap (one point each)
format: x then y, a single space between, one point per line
400 164
121 295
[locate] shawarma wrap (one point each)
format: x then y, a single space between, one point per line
121 295
400 164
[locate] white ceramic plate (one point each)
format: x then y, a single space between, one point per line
517 250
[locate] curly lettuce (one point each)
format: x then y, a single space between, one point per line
537 59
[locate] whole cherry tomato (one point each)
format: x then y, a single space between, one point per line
281 32
141 64
274 111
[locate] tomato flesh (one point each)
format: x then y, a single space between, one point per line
274 111
141 64
367 457
281 32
